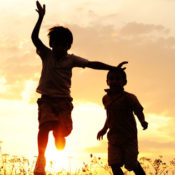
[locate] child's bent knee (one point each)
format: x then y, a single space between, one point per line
60 143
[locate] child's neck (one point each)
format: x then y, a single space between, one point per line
59 54
115 90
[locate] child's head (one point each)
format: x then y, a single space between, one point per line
116 78
60 37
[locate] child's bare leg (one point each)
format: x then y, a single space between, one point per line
59 137
42 140
42 144
116 170
139 170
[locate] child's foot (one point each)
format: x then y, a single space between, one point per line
40 166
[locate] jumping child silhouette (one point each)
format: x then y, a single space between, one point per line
55 104
121 125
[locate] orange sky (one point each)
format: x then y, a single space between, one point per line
141 32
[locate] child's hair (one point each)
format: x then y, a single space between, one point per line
60 35
118 71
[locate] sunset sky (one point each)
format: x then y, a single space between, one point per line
141 32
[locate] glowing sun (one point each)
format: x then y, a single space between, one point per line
56 160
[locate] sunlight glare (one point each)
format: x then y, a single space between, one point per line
56 160
27 93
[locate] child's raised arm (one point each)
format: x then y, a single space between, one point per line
35 34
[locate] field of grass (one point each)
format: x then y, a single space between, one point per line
14 165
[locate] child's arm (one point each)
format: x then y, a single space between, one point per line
35 34
138 110
141 117
103 66
103 131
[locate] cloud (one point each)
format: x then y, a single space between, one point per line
19 63
16 70
101 148
150 69
148 47
134 28
154 145
151 60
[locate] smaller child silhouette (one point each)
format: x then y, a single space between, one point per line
122 135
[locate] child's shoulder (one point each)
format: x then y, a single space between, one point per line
132 98
106 100
130 95
43 51
105 97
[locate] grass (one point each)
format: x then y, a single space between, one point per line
14 165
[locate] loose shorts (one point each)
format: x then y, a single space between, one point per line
123 154
57 110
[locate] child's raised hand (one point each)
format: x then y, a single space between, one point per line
41 10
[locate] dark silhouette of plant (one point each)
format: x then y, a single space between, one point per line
158 166
17 165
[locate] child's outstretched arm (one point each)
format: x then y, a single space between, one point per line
103 66
35 34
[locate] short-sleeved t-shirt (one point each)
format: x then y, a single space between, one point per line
56 73
120 117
